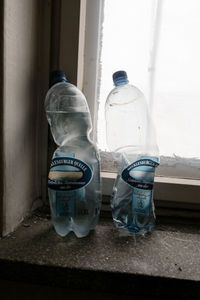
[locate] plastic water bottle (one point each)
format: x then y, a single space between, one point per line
74 176
130 132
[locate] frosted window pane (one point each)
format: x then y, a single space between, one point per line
127 34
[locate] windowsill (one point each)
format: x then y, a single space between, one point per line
105 262
184 192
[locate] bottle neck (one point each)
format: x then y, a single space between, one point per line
121 84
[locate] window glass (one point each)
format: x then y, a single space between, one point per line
159 48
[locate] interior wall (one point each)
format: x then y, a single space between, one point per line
25 53
69 38
1 109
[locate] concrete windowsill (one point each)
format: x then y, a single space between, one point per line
163 264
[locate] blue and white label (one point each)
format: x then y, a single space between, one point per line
68 174
141 201
65 204
140 176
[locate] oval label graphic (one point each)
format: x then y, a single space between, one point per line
68 173
140 174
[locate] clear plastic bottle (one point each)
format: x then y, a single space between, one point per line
130 132
74 176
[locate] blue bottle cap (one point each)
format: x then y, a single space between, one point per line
120 77
57 76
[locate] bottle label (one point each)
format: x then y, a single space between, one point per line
65 203
140 176
68 174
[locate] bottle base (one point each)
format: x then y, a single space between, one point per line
76 233
81 234
133 229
